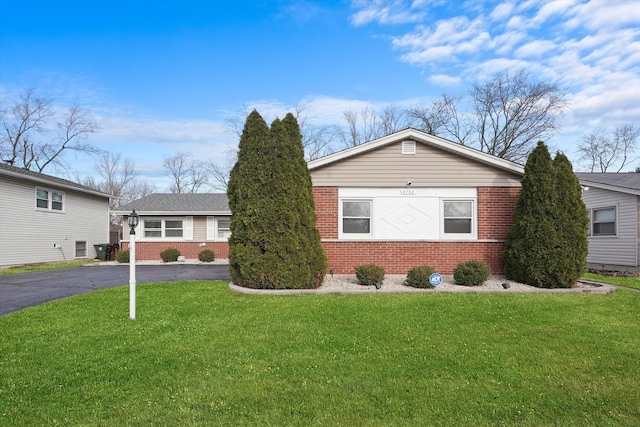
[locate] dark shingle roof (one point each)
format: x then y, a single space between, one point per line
8 170
194 203
624 182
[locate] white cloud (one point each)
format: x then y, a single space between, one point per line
386 12
534 49
444 80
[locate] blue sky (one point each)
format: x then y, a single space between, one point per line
163 76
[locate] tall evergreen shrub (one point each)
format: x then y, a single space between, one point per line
547 245
572 222
529 253
274 243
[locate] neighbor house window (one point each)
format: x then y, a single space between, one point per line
604 222
173 228
160 228
49 199
356 216
81 249
223 228
457 217
218 227
152 228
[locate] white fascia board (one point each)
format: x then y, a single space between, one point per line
51 184
625 190
424 138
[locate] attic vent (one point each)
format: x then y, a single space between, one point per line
408 147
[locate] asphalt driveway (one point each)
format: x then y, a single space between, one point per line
18 291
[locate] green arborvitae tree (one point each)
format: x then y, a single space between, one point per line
572 222
274 243
531 244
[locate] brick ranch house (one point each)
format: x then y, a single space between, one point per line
187 222
400 201
411 199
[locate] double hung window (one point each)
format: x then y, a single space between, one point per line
458 217
50 200
163 228
603 221
356 217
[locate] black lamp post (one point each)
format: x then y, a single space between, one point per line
133 223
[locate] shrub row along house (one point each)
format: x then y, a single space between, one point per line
400 201
404 200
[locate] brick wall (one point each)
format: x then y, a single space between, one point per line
495 217
151 250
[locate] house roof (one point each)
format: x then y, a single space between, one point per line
425 138
183 204
621 182
40 178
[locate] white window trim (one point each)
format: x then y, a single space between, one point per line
592 216
49 207
355 236
212 228
187 229
474 220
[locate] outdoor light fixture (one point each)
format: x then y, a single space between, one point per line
505 285
133 223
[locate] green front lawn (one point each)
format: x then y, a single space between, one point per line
629 282
199 354
44 266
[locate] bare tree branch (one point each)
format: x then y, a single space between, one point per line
26 139
600 152
187 175
513 113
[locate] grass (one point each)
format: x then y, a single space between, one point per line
628 282
44 266
200 355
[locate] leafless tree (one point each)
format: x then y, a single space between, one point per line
512 113
28 140
187 174
601 152
441 118
361 127
116 177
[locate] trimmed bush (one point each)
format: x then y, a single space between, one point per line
369 274
206 255
170 255
122 256
471 273
418 277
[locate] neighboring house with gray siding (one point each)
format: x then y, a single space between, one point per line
613 202
47 219
187 222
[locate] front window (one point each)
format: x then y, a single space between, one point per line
356 217
458 217
49 199
604 222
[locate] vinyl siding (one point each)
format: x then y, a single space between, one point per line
429 167
29 235
621 249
